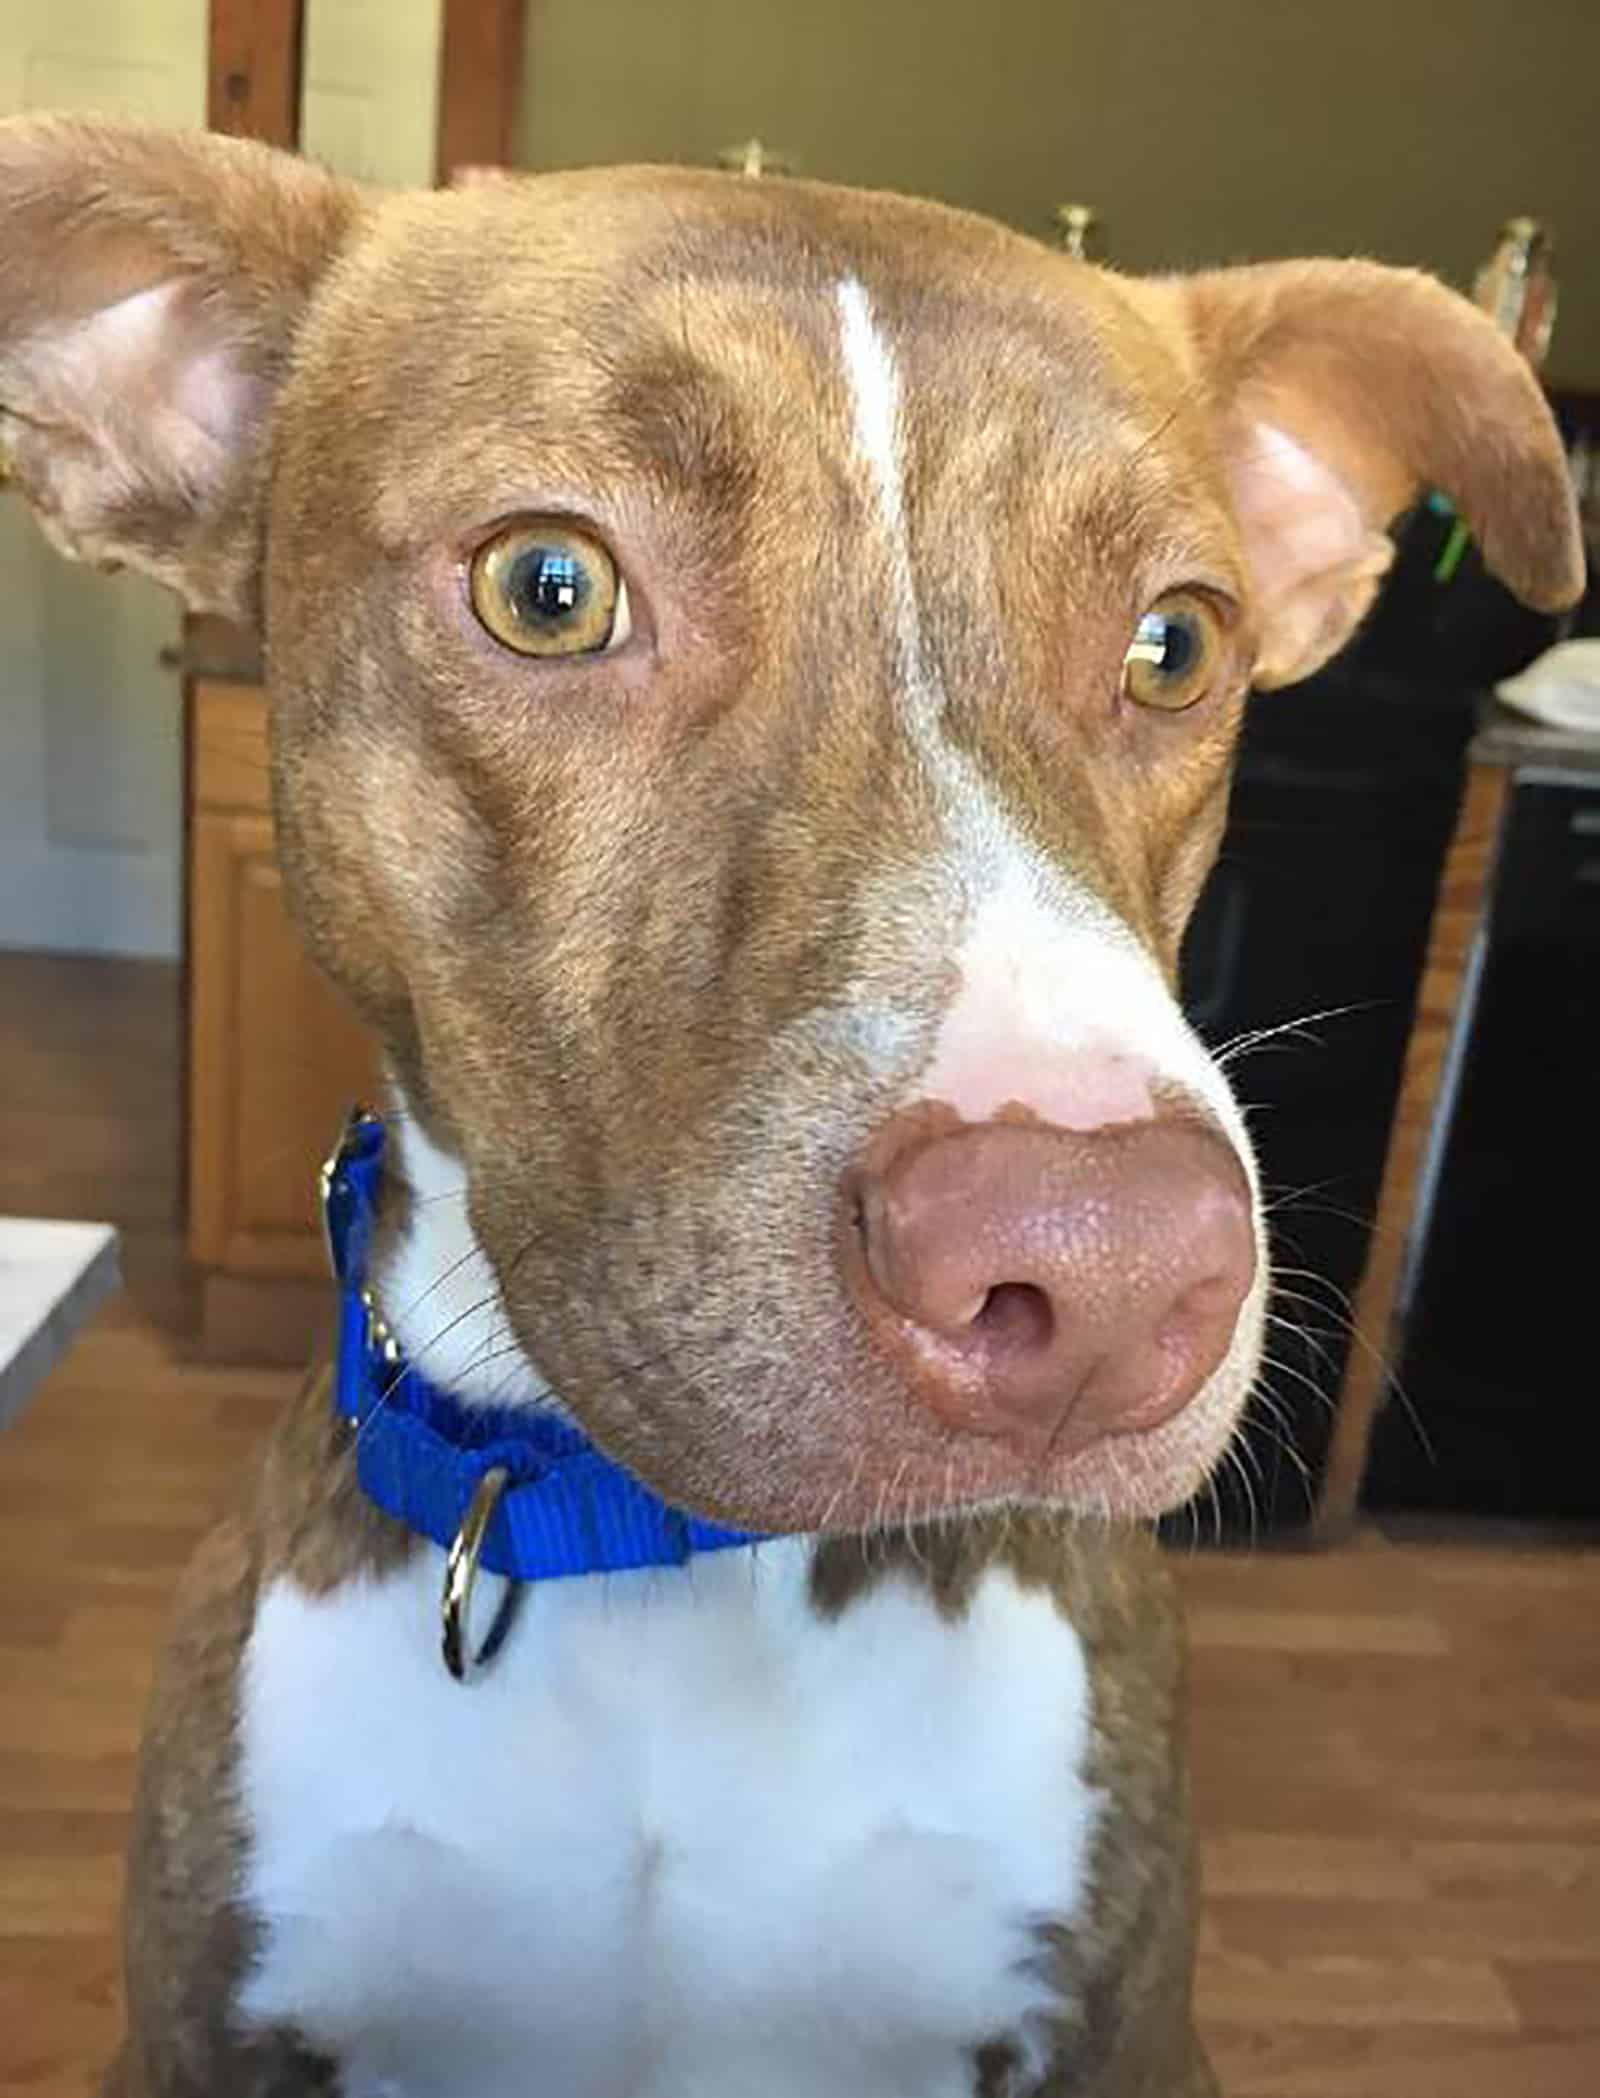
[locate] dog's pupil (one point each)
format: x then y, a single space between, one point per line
548 584
1177 646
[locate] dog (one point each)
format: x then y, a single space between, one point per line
753 669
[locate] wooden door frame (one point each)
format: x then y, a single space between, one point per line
255 67
480 79
255 61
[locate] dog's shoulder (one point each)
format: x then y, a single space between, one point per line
299 1517
195 1938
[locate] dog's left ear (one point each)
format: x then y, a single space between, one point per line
150 288
1343 390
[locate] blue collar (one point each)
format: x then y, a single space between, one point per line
421 1455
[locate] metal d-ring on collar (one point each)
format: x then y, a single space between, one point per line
460 1575
519 1491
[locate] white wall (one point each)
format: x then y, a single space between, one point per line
372 87
90 767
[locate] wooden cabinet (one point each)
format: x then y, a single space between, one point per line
275 1056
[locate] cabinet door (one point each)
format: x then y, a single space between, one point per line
275 1058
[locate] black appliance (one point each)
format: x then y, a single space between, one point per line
1344 801
1499 1357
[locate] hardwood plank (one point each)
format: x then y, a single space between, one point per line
1310 1868
1267 2061
1354 1988
1554 1995
1553 1930
1305 1631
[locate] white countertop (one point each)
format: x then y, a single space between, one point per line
52 1277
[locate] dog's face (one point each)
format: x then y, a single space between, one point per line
755 669
667 928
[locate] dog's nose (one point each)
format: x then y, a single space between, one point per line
1051 1285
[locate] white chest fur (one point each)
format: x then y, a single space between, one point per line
684 1839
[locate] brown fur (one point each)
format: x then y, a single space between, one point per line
604 918
187 1940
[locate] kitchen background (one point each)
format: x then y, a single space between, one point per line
1395 1769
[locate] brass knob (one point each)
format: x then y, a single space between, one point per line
1078 230
754 158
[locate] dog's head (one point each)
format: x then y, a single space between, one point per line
754 673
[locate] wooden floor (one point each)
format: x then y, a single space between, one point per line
1397 1748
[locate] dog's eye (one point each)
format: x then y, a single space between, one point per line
1172 659
547 589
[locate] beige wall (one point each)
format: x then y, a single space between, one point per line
371 92
90 749
1213 131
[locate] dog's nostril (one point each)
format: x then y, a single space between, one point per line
1016 1315
1199 1305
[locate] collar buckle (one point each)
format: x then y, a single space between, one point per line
345 1183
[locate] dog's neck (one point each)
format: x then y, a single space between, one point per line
436 1288
521 1489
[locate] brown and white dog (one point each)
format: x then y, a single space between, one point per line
754 668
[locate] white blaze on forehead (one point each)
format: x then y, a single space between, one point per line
874 397
874 382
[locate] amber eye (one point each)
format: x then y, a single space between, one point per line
1173 658
544 588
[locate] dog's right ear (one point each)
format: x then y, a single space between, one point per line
1340 391
151 284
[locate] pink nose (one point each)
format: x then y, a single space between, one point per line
1051 1285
